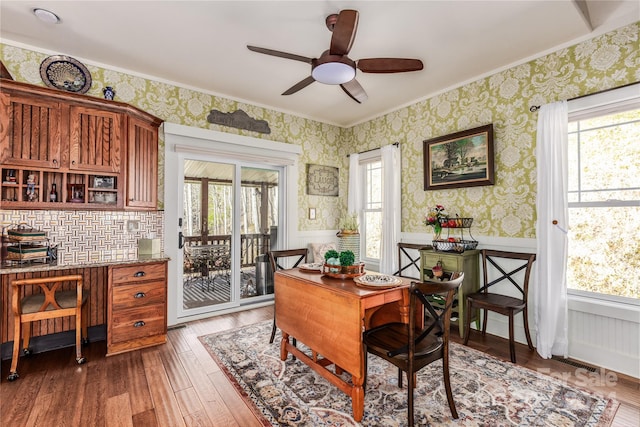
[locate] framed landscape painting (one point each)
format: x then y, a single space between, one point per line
461 159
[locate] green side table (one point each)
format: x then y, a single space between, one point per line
467 262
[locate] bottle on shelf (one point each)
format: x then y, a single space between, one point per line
53 195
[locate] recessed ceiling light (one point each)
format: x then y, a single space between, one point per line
46 16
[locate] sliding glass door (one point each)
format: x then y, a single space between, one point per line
230 218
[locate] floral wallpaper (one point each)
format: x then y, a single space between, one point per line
320 142
505 209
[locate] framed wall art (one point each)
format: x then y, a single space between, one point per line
322 180
461 159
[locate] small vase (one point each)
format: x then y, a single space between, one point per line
109 93
437 231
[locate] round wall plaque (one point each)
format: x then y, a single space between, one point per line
65 73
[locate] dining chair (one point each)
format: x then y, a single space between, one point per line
294 258
515 269
50 303
411 347
408 259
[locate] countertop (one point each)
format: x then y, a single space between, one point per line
103 261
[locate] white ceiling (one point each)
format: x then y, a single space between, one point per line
202 44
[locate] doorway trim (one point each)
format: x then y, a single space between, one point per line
179 140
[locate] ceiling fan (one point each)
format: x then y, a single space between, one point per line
335 67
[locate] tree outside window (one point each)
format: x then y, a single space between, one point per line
604 204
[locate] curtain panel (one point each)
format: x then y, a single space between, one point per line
550 293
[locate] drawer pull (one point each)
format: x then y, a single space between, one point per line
139 324
140 295
139 274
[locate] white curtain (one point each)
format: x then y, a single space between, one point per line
354 196
550 293
391 208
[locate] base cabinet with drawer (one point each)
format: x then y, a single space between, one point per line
467 262
136 306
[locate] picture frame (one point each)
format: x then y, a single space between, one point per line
322 180
106 182
461 159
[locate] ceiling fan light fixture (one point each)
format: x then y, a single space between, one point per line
333 73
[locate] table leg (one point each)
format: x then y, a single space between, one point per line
357 398
283 346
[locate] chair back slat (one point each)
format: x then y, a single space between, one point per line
440 316
406 259
490 257
298 255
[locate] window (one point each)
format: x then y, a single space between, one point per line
604 200
371 230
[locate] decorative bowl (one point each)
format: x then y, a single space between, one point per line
343 272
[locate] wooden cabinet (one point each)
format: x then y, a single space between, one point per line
467 262
95 139
142 165
136 306
30 131
78 142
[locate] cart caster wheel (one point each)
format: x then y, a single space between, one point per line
26 352
13 376
81 360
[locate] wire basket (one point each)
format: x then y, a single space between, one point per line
456 222
457 246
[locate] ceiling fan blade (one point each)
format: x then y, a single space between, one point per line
344 32
389 65
280 54
355 91
300 85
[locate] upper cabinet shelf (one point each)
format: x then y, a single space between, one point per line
71 140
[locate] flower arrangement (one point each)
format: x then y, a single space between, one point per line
433 218
349 222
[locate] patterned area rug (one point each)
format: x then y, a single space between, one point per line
487 391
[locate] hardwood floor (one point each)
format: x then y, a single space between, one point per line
179 384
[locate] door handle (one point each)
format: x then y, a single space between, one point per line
180 240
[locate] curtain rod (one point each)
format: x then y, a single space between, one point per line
535 108
397 144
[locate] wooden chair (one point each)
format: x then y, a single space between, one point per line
499 303
410 347
406 259
297 256
50 304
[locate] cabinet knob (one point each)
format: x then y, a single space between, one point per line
139 324
140 295
55 161
73 162
139 274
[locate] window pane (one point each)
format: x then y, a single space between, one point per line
373 234
373 195
608 160
574 172
604 250
192 207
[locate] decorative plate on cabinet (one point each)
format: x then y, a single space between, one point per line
65 73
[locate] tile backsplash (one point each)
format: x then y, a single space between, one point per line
84 236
